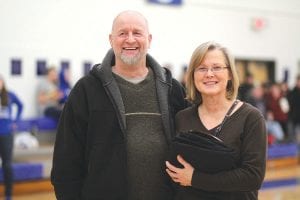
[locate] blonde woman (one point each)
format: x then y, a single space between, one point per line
212 86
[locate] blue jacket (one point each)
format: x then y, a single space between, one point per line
6 114
64 86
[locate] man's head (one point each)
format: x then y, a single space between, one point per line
130 38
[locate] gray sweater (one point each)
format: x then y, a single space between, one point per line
146 142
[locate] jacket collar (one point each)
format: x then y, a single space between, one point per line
163 81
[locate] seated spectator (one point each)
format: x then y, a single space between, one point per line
257 99
48 95
274 129
7 125
278 105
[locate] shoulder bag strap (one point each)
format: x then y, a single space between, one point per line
218 130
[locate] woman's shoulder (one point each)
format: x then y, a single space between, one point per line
249 110
187 111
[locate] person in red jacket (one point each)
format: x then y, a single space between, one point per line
278 105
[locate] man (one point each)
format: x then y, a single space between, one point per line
113 134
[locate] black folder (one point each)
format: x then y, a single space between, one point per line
205 152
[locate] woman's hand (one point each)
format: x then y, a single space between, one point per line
184 175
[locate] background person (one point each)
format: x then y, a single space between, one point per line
48 95
295 110
113 134
258 100
212 85
278 105
245 88
7 125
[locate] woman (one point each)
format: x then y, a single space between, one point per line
7 100
212 85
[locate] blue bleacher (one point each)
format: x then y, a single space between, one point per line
280 183
25 125
25 171
39 124
45 123
282 150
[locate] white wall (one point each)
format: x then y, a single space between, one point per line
78 30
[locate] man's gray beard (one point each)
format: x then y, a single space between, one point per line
131 60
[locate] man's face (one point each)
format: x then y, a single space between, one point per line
130 39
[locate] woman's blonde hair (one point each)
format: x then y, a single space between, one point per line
193 94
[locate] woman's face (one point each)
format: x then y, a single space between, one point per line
212 75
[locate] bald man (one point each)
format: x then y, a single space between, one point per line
113 135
